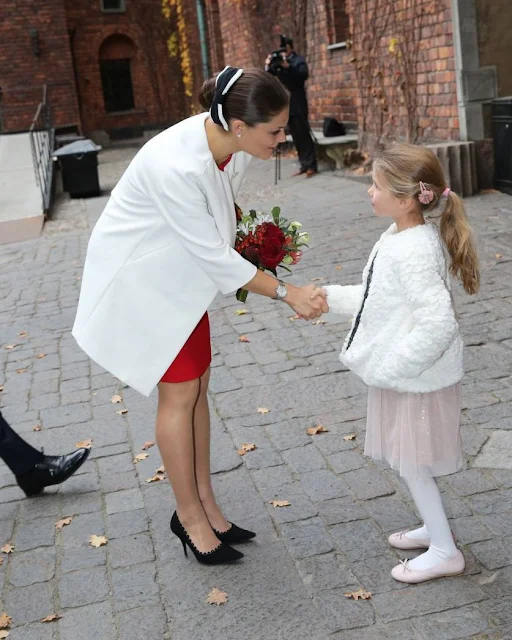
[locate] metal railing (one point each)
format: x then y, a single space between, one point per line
42 144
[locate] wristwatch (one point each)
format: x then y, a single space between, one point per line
281 291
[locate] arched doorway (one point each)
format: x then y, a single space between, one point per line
116 55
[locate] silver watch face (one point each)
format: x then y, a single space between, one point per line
281 291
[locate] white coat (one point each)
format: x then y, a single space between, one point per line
159 254
408 338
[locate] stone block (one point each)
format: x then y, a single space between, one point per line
368 483
359 540
135 585
323 485
83 587
306 538
92 621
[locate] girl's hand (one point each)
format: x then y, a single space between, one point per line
308 302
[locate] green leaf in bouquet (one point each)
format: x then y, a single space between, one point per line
276 212
283 266
241 295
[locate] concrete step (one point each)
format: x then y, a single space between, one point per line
21 203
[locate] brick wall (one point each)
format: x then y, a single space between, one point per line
156 78
249 34
23 74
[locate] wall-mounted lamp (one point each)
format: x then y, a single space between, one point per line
34 39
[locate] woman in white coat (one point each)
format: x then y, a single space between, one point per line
159 254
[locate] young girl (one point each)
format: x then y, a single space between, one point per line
406 345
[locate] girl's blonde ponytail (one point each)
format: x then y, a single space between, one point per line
457 236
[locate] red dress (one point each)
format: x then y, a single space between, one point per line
196 354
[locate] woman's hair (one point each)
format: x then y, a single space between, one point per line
257 96
403 167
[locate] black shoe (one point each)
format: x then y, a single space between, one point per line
51 470
220 555
234 534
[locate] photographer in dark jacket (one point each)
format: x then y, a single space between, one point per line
292 70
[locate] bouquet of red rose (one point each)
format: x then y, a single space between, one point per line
268 241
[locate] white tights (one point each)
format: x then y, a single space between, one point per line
426 495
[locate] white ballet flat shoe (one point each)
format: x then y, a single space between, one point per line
403 572
399 540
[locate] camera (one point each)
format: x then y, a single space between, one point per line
276 58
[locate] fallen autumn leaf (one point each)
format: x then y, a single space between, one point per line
5 621
40 356
263 410
51 618
7 548
140 456
37 427
122 412
156 478
352 436
241 312
280 503
63 523
97 541
116 399
243 339
312 431
216 596
147 445
84 444
361 594
244 448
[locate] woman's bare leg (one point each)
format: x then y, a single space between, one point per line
175 438
202 457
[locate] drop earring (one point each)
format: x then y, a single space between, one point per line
238 135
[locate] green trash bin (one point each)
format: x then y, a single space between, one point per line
78 162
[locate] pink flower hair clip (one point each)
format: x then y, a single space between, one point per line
446 192
426 195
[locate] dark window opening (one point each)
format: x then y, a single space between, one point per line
339 21
116 78
112 5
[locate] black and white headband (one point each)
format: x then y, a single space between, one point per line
225 80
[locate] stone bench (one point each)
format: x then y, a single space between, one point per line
332 149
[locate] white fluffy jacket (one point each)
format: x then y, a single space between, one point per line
408 338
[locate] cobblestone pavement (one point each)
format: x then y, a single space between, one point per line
332 538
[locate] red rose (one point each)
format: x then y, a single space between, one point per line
272 249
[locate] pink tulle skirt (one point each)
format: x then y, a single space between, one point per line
415 430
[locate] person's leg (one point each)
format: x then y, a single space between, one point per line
175 438
304 142
295 132
202 457
308 147
427 498
17 454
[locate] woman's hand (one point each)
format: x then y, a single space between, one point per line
308 302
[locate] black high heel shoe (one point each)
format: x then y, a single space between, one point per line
220 555
234 534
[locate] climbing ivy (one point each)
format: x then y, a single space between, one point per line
177 43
